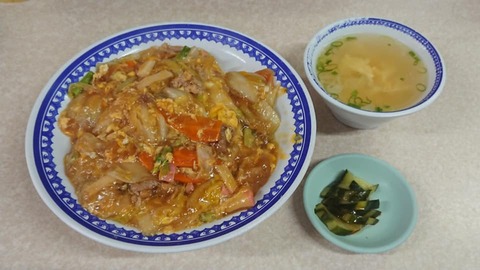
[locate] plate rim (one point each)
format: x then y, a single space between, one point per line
34 171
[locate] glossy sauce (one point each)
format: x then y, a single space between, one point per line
159 142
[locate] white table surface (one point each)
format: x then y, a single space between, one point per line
438 149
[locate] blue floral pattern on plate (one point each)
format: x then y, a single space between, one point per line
45 172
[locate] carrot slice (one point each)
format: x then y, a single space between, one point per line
183 178
183 157
196 128
131 63
146 160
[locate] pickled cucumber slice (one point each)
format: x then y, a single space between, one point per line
349 177
335 224
346 207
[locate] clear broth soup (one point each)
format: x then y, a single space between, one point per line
372 72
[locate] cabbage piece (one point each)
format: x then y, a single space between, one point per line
130 172
145 68
174 93
268 115
227 177
219 95
205 159
242 86
149 124
95 187
160 76
83 112
206 196
89 145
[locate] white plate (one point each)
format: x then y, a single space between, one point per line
45 145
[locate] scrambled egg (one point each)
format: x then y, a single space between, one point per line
166 104
222 113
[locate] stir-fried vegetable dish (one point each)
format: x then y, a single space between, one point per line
164 140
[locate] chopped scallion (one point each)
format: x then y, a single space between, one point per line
421 87
336 44
184 52
415 57
87 78
74 90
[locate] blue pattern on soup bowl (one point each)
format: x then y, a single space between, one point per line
46 146
363 119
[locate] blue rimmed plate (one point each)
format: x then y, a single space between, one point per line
45 145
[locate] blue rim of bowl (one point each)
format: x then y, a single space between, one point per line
323 230
440 71
39 134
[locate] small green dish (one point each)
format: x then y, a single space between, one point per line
397 202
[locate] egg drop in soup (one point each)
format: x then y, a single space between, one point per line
372 72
